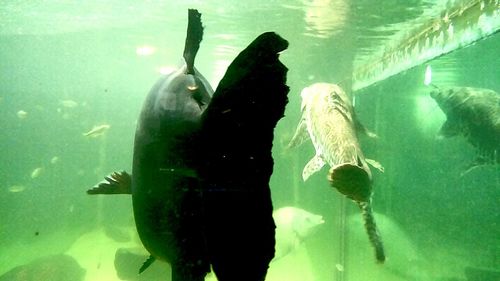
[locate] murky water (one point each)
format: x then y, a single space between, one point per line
68 68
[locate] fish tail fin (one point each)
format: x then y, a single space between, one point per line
372 231
193 39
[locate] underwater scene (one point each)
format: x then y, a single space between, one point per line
164 140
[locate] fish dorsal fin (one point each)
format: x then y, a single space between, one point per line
115 183
193 39
146 264
301 135
313 166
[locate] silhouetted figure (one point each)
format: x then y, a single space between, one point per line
200 188
164 186
237 131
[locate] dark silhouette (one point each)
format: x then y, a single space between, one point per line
163 184
238 129
164 187
200 186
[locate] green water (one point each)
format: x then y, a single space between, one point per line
66 68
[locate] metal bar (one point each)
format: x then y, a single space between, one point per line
457 27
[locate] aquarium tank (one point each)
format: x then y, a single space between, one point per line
75 74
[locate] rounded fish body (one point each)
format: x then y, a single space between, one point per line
164 186
165 189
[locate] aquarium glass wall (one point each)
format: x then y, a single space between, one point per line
74 76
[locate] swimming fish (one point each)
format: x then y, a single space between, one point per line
54 160
163 184
293 226
36 172
97 131
68 103
21 114
328 119
473 113
16 188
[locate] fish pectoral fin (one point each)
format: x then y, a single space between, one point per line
115 183
375 164
313 166
146 264
301 135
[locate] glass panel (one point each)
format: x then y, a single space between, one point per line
74 76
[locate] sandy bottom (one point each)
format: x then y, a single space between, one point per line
95 252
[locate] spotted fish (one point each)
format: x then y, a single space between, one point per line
473 113
328 119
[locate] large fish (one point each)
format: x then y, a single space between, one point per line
473 113
163 183
328 119
293 226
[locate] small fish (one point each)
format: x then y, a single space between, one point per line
68 103
17 188
339 267
97 131
36 172
328 119
162 162
54 160
22 114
